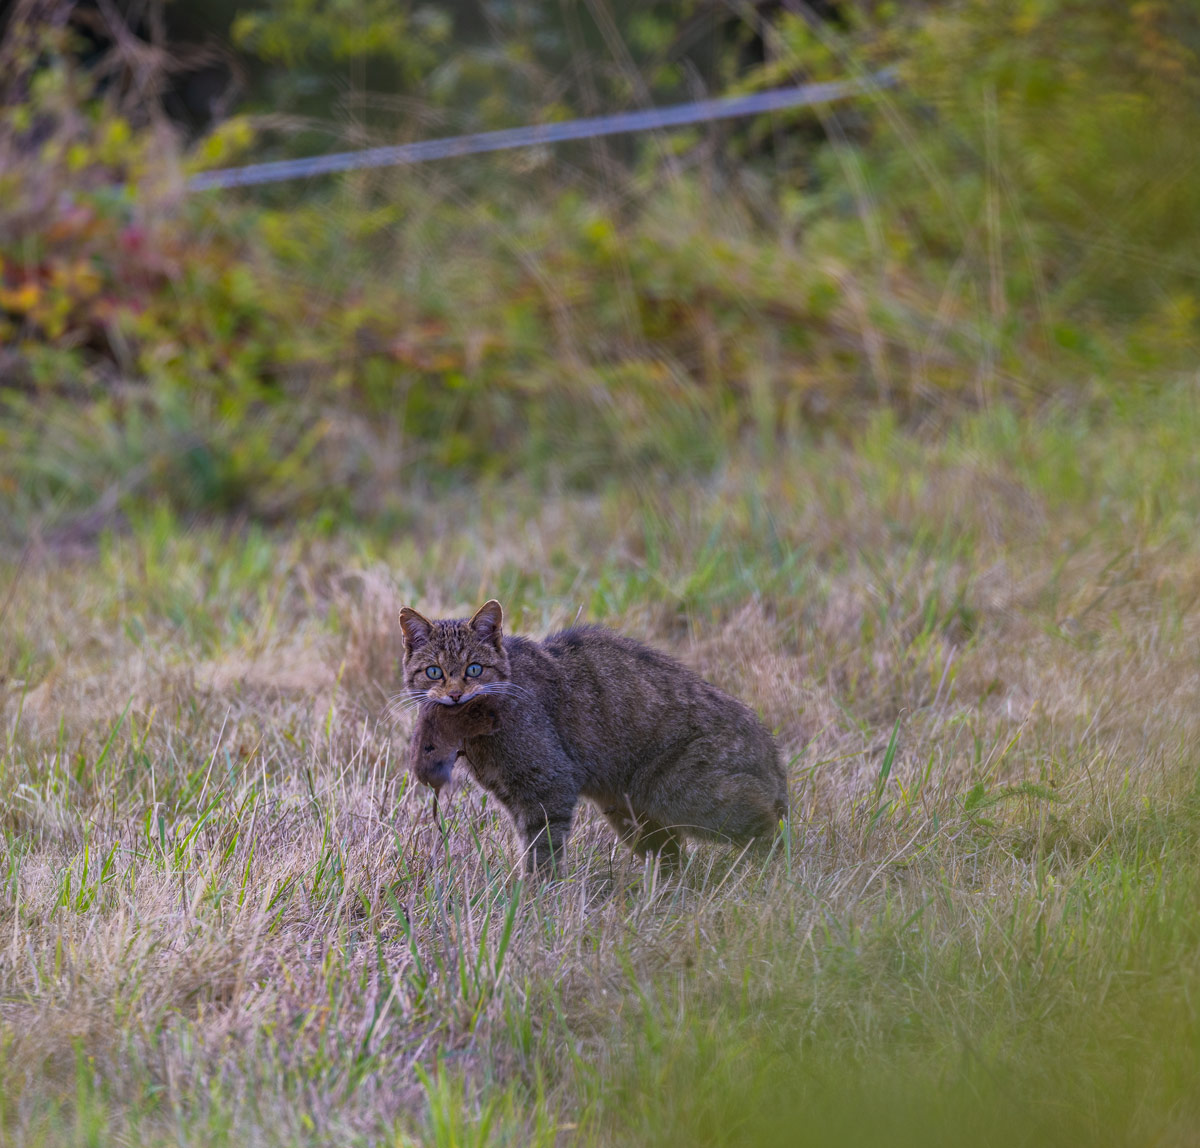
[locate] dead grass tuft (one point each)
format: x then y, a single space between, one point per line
230 906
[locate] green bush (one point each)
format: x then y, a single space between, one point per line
1019 219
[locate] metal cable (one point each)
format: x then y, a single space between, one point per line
679 114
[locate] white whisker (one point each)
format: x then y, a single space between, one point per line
503 690
399 704
407 693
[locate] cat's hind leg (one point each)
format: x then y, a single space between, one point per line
645 835
712 788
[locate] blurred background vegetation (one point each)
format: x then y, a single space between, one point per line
1018 222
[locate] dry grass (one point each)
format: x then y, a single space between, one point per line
228 917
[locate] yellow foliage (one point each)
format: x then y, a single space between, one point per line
20 300
79 278
225 143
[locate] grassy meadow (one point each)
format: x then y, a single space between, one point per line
229 917
883 416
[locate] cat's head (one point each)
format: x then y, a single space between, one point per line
440 737
450 661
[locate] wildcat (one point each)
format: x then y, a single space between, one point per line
589 713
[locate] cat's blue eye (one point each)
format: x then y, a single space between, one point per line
474 670
433 672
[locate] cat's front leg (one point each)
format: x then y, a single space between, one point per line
544 834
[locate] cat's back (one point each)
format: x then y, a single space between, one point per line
615 699
596 656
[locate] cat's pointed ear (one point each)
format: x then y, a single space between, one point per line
488 622
416 628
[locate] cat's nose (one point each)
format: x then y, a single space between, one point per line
454 697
